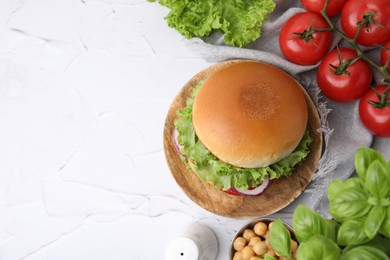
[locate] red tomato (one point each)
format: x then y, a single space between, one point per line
376 120
334 6
300 46
375 33
347 86
385 54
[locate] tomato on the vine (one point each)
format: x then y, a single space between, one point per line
315 6
385 54
375 119
342 76
302 39
374 15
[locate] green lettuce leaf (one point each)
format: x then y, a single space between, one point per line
238 20
220 174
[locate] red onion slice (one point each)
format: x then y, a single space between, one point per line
257 190
176 142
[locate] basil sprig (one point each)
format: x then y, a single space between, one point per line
360 207
363 200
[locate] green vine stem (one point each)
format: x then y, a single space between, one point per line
381 69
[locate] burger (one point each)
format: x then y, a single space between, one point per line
243 127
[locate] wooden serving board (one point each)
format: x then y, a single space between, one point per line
277 196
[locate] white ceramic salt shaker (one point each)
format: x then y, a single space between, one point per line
198 242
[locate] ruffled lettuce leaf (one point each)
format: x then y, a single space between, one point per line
220 174
239 20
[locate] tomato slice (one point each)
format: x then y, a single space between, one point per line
233 191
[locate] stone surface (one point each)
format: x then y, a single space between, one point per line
84 90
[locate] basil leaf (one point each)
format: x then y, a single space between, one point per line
352 232
384 202
318 247
377 180
380 242
385 227
269 257
337 185
333 229
374 220
349 203
388 167
307 223
334 188
354 182
364 156
280 238
364 253
374 201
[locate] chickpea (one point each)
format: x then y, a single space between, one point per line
254 240
271 251
256 258
239 243
283 258
294 254
268 242
260 228
248 234
247 253
294 245
270 225
238 256
260 248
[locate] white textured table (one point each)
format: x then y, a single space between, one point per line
84 90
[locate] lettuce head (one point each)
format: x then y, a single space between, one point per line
239 20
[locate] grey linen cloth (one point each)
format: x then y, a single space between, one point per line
341 125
